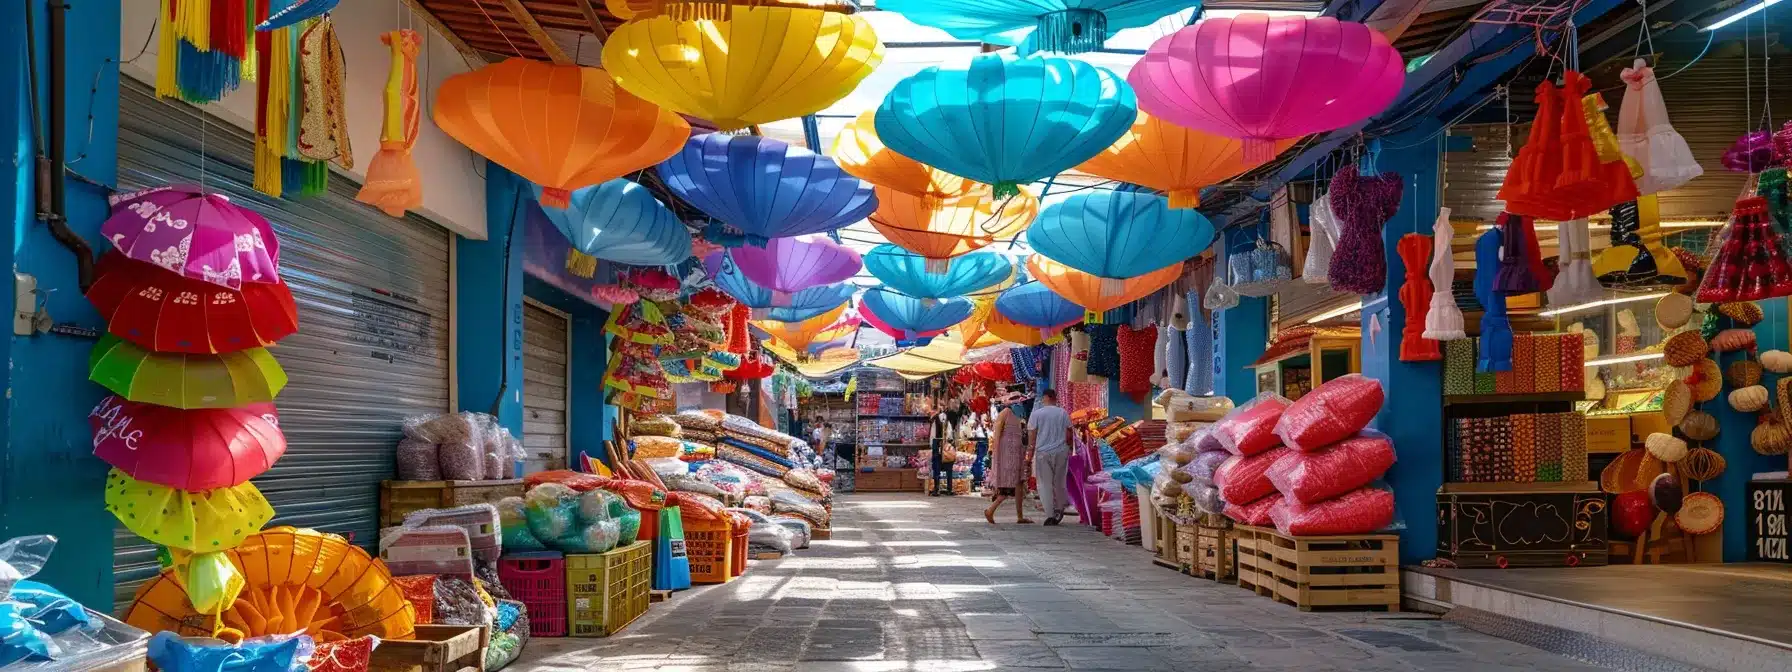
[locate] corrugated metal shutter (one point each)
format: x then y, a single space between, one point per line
1707 106
372 347
545 370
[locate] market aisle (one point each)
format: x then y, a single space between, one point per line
917 583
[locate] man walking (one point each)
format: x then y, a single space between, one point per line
1048 429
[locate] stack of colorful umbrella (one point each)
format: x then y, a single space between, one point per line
192 298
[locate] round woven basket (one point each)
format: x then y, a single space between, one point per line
1698 426
1631 472
1703 464
1745 372
1673 311
1676 402
1700 513
1685 348
1744 313
1709 380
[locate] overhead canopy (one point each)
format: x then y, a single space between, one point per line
944 354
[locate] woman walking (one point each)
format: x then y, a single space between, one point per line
1008 458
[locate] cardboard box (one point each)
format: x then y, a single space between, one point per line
1608 434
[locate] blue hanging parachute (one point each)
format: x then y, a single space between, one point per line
1067 26
803 305
1035 305
908 273
1119 235
617 221
1007 121
913 316
765 189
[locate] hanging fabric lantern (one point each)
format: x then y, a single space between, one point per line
617 221
909 273
790 265
1065 26
1035 305
1116 235
764 189
942 229
1094 293
1262 79
1007 121
760 65
911 316
972 331
799 335
697 10
902 339
861 154
1014 332
1176 160
560 126
758 300
393 184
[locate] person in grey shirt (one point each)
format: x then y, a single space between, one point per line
1048 429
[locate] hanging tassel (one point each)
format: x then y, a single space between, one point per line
1072 31
229 33
205 76
1112 287
167 52
1185 198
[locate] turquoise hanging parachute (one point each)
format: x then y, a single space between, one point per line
617 221
1007 121
1067 26
908 273
1119 234
914 317
1035 305
801 306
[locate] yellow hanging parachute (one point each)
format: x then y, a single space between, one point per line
761 65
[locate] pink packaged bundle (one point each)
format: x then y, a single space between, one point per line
1206 441
1251 428
1359 511
1334 470
1254 513
1246 479
1339 408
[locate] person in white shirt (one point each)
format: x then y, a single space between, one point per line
1048 430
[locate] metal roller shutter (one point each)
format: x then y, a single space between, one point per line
546 360
372 347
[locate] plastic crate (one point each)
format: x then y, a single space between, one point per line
737 553
607 591
706 545
538 580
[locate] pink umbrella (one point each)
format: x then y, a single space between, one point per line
1260 78
201 449
790 265
198 235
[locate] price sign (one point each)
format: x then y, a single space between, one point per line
1769 537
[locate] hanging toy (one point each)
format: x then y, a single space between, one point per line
1443 320
1415 295
393 184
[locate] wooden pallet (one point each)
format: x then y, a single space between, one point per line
1355 572
434 648
1213 554
1185 550
821 533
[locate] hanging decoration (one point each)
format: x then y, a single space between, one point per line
1116 235
560 126
1035 305
1173 159
758 65
1015 332
323 125
1646 135
1495 348
698 10
800 335
1362 205
618 221
1063 26
1320 247
1636 255
903 340
1752 153
910 316
974 330
1574 283
195 234
790 265
300 106
294 12
1262 79
166 313
861 154
941 229
393 184
763 189
1559 173
1094 293
911 274
759 300
1750 263
1443 320
1521 259
1006 121
1415 297
204 50
195 450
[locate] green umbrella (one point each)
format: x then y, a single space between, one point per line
185 381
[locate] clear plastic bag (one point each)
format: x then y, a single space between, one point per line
1250 429
1246 479
596 505
1308 478
1359 511
417 460
1331 412
552 510
515 525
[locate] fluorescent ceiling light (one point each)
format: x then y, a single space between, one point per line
1621 359
1740 15
1340 311
1602 302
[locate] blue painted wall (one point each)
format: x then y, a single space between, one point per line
589 420
1413 413
1733 441
489 317
1243 335
51 482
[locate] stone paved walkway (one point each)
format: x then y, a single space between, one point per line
916 583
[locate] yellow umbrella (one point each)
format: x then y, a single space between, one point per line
760 65
213 520
799 335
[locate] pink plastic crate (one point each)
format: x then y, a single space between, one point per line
538 580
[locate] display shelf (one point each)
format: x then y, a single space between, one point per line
1524 398
897 416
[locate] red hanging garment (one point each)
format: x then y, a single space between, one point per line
1586 184
1415 295
1533 172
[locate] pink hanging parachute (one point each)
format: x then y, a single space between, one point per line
1260 78
790 265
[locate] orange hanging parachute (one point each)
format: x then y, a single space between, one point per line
940 229
714 10
1014 332
1096 293
799 335
393 183
560 126
1176 160
863 155
295 580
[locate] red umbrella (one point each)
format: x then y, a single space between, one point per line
996 371
161 311
200 449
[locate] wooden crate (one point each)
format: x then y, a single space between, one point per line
1213 553
1355 572
398 498
1165 542
1185 549
435 648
